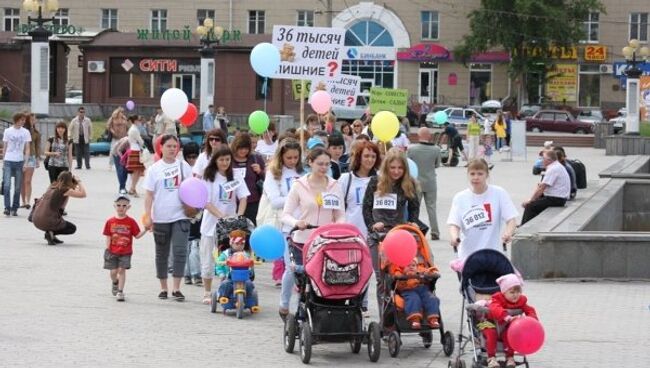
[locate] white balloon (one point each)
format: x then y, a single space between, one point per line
174 103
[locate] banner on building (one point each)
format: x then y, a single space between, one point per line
562 84
644 84
309 52
344 89
389 99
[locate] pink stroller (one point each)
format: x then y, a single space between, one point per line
337 268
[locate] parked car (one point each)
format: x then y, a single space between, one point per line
619 120
352 113
489 109
528 110
593 116
74 96
458 116
557 121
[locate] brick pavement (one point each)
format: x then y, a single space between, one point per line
57 310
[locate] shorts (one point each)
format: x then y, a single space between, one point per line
30 162
114 261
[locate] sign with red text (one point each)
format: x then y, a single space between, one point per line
344 90
309 52
562 85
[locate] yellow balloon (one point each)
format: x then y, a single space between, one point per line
385 126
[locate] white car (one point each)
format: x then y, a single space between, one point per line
74 96
619 121
458 116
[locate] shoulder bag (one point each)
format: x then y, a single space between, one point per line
265 212
46 162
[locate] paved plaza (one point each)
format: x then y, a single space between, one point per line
56 308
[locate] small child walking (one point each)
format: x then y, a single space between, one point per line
120 231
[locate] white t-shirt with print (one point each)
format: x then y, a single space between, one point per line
266 150
480 217
354 200
163 180
558 181
225 198
277 191
14 143
201 163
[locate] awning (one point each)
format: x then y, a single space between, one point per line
435 52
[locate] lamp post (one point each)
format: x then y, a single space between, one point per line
40 78
631 52
209 35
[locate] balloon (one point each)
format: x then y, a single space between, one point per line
440 117
174 103
400 247
258 121
190 115
193 193
385 126
267 242
321 102
265 59
525 335
130 105
157 146
413 168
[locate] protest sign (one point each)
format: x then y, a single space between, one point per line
388 99
295 87
343 90
309 52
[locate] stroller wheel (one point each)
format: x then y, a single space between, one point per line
458 363
355 345
394 344
305 343
448 343
289 333
374 342
213 302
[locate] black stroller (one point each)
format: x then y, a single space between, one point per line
478 281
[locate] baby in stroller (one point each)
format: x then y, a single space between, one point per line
229 267
412 285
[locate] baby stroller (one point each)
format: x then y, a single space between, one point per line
337 267
478 282
394 322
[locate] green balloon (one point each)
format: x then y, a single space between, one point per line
258 121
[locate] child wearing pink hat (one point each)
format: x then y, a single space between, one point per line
510 297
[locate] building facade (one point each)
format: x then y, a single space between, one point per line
394 44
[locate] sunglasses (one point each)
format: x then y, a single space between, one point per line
214 139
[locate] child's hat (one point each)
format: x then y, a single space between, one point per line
507 282
237 240
314 142
120 197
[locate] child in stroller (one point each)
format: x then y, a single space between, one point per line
412 285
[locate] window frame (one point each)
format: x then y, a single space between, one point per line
60 18
159 19
588 24
13 18
638 26
206 13
110 18
306 14
259 17
429 24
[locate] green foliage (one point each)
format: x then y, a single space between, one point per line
644 128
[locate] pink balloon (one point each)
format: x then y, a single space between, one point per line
525 335
193 193
321 102
400 247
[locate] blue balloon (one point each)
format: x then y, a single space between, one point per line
265 59
440 117
268 242
413 168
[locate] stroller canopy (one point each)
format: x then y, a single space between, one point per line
482 268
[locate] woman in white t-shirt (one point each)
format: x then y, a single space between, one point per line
268 144
214 139
226 198
165 216
477 214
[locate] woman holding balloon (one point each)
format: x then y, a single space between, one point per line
164 214
226 198
214 139
314 199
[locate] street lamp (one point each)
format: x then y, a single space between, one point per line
631 52
209 34
40 71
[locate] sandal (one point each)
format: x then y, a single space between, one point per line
207 299
133 193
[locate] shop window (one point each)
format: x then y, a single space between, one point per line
305 18
120 84
639 26
589 86
12 19
203 14
109 19
256 20
159 20
140 85
161 83
62 17
375 73
590 27
263 88
430 24
480 77
368 33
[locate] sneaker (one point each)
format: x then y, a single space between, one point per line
14 213
435 236
120 296
178 296
162 295
123 191
198 281
6 212
188 280
49 236
493 363
510 362
114 288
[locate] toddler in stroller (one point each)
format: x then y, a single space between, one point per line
412 285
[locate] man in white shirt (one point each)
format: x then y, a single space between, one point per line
15 149
553 191
81 132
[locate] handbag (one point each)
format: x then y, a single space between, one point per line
46 162
266 214
189 211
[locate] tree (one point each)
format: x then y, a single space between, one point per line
530 30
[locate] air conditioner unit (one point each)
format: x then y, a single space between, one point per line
96 66
606 69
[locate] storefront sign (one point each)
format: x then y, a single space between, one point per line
554 52
309 52
370 53
424 52
64 29
183 34
151 65
344 89
562 83
388 99
595 53
621 66
295 87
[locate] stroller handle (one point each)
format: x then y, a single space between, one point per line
296 228
418 275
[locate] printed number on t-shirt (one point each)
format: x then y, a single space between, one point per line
231 185
385 202
331 201
475 216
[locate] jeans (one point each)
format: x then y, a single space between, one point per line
171 236
82 150
193 264
500 143
122 173
288 281
418 299
15 169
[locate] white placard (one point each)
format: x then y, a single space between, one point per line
331 201
475 216
231 185
385 202
309 52
239 173
344 89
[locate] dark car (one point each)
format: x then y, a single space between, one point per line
557 121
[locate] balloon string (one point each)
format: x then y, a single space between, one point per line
264 88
